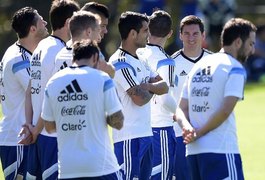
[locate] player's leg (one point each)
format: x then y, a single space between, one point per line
126 155
135 157
13 159
33 163
145 156
220 166
164 144
193 167
180 165
48 153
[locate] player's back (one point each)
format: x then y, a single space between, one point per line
78 97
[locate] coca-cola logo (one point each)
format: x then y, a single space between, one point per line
200 92
73 111
36 75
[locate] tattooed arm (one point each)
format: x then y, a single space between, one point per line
115 120
139 95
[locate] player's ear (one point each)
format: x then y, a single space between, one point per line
33 28
133 33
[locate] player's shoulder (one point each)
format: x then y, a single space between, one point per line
120 56
176 54
207 51
49 45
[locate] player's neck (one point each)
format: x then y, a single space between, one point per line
157 41
129 47
28 43
192 52
62 34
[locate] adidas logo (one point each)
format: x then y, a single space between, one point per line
203 76
183 73
64 65
72 92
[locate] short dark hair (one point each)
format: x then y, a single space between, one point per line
189 20
23 19
130 20
234 28
80 21
84 49
60 11
160 23
97 8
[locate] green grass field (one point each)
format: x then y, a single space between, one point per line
251 135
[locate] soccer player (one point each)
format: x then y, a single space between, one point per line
14 79
103 12
211 91
79 102
43 152
162 107
192 35
82 25
136 84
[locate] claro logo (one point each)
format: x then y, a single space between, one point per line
74 126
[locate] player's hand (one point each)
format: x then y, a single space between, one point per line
26 136
189 135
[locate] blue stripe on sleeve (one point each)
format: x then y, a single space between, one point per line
237 70
108 84
122 65
165 62
20 65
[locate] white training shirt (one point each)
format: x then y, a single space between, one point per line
184 65
78 100
209 82
42 68
131 71
14 81
159 61
63 59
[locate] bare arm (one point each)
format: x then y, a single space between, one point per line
156 86
182 118
219 116
106 67
28 105
139 95
115 120
49 126
25 131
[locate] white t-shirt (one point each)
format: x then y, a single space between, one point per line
131 71
63 59
13 84
42 68
158 60
184 65
209 82
78 100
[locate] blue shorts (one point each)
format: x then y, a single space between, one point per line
113 176
211 166
135 157
164 144
14 161
181 170
42 159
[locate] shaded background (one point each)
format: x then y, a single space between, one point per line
253 10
